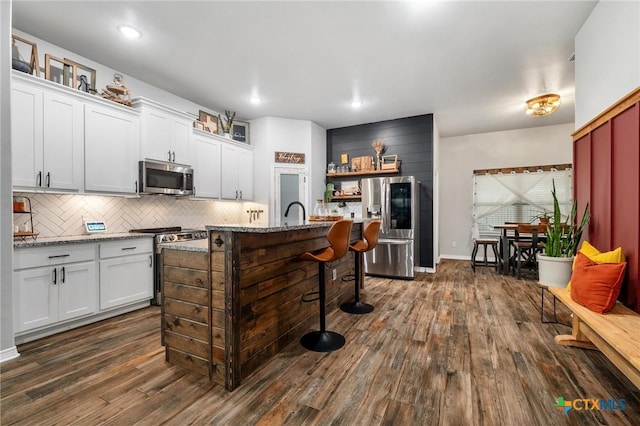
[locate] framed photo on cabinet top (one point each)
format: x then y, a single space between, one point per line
240 131
210 122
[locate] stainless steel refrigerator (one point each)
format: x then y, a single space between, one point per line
394 200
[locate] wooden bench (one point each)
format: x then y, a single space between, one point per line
616 334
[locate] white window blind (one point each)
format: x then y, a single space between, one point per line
517 197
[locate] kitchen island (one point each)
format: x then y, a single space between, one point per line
233 302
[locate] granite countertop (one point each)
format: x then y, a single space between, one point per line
278 227
194 245
78 239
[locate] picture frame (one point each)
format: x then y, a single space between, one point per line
240 131
34 64
89 74
210 122
57 74
344 158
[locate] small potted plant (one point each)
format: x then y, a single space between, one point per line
563 237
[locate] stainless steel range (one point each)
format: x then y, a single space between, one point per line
164 236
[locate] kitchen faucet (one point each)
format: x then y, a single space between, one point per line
304 216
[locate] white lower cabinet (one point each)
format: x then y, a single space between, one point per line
64 289
126 272
56 288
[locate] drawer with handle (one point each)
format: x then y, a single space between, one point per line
31 257
125 247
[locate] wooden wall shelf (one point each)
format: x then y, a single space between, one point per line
364 173
346 197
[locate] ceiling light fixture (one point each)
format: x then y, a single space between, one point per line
543 105
129 31
254 100
356 104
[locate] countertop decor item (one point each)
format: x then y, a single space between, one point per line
378 147
117 92
227 122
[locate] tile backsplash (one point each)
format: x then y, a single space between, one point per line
56 215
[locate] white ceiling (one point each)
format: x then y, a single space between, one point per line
472 64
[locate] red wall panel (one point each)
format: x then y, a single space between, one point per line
606 159
600 227
582 174
625 197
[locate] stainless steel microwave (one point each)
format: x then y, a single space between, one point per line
158 177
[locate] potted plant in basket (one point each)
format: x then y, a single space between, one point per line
563 237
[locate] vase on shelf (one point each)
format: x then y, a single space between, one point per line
227 135
378 161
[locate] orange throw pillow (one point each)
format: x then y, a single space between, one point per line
596 285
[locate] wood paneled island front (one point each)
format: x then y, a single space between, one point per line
232 303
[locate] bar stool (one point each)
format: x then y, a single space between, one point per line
367 243
338 236
484 242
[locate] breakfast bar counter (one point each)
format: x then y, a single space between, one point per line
231 305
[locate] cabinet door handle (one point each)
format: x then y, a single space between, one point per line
129 248
55 276
136 187
39 183
150 261
236 195
63 274
173 157
59 255
241 195
48 179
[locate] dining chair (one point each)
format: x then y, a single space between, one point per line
527 244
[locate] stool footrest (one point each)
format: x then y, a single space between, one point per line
311 293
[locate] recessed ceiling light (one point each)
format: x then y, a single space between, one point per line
356 104
129 32
254 100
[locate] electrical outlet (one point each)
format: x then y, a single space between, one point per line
335 275
453 244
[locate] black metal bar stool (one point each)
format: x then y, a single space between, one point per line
339 235
368 242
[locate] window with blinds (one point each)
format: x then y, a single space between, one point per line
517 195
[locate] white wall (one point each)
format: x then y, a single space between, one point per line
288 135
607 58
459 156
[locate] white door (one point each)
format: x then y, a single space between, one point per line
290 184
126 279
245 174
26 135
206 167
63 142
112 140
77 290
35 297
229 172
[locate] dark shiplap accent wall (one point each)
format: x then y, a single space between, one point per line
412 139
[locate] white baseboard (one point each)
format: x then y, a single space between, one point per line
7 354
454 257
424 269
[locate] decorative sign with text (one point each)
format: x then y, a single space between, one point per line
289 157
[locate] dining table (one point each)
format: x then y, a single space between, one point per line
505 250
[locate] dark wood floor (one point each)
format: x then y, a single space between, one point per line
452 348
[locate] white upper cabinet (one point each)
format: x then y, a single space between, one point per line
112 135
237 172
206 166
47 137
164 132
